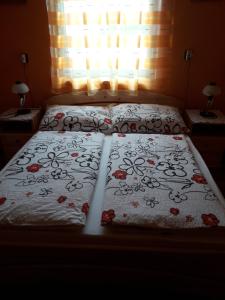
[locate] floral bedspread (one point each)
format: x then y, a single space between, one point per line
51 180
154 180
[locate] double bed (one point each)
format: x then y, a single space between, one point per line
124 194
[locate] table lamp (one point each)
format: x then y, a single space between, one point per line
210 90
21 89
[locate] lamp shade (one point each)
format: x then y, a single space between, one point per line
20 88
211 90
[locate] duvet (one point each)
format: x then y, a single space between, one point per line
51 180
154 180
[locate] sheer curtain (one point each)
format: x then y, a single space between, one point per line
109 44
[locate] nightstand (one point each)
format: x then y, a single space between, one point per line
16 130
208 135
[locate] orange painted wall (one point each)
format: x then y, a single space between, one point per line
198 24
24 28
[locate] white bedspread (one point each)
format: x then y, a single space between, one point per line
51 180
154 180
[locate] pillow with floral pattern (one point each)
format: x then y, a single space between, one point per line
147 118
76 118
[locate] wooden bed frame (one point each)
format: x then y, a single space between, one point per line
103 97
181 261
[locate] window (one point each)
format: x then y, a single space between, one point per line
112 44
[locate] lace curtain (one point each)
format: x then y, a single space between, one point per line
109 44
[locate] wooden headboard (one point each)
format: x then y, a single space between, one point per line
104 98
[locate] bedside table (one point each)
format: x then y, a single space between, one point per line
208 135
16 130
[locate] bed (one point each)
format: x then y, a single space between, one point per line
130 198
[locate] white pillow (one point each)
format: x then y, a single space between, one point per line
76 118
147 118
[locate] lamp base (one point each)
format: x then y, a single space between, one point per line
23 111
208 114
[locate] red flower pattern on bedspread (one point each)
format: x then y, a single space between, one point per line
59 116
133 126
150 162
2 200
108 216
85 208
199 179
28 194
62 199
107 121
210 220
33 168
71 205
174 211
135 204
177 138
189 219
75 154
119 174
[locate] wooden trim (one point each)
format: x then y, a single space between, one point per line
103 97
